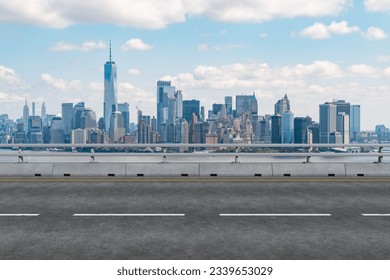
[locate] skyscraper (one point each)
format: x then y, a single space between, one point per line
327 121
276 129
35 135
33 109
301 125
246 104
43 112
190 107
57 131
287 127
229 105
110 91
124 109
164 92
342 126
26 114
282 105
334 117
67 115
76 117
354 121
117 128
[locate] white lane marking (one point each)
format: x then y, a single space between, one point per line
19 215
128 215
376 215
275 215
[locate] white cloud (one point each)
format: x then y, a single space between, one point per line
265 10
127 89
263 35
325 69
203 47
9 98
386 71
8 75
374 33
155 14
383 58
322 31
136 44
133 72
364 69
377 5
60 83
85 47
227 47
256 75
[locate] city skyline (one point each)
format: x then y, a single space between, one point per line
315 53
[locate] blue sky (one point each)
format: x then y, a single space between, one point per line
316 51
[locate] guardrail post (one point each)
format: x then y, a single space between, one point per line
92 156
309 149
20 155
164 160
380 158
237 150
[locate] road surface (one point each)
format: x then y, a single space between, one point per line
194 218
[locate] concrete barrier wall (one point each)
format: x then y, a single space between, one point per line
308 169
89 169
235 169
162 169
368 169
195 169
26 169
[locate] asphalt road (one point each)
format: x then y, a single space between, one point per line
195 219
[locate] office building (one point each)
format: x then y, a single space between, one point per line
117 127
35 135
276 129
301 125
88 119
229 104
246 104
313 133
67 116
354 123
124 109
328 117
76 117
110 92
79 136
287 127
282 105
190 107
57 133
342 126
43 113
26 114
164 92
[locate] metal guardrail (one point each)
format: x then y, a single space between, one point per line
306 150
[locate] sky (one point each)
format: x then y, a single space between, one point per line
315 51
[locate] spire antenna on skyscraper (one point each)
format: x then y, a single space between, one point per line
110 50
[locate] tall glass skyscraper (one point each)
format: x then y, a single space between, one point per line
354 120
110 92
288 127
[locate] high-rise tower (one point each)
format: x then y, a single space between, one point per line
26 114
43 112
110 89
